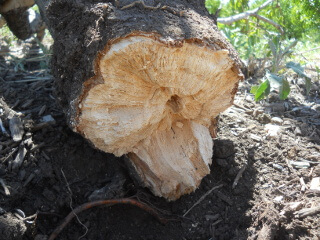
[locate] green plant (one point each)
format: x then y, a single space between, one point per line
296 67
275 81
46 54
318 72
280 52
271 82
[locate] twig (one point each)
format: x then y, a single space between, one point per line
73 212
303 184
202 198
310 50
32 217
143 5
31 80
239 175
166 8
5 188
171 10
9 155
276 25
244 15
110 202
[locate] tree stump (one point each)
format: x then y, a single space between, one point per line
146 79
19 19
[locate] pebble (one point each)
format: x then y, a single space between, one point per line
48 119
276 120
272 130
278 167
315 184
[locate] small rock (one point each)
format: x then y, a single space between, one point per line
276 120
315 184
278 167
48 119
272 130
278 199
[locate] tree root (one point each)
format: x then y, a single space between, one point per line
110 202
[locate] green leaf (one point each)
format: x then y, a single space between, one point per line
284 89
297 68
273 48
292 45
275 81
308 84
300 71
254 89
262 91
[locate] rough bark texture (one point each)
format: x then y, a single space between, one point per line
145 79
17 16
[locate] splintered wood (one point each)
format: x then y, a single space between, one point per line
156 102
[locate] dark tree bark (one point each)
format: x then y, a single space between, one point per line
147 79
16 14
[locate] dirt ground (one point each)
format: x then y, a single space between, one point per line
263 177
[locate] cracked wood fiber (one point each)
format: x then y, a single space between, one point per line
146 82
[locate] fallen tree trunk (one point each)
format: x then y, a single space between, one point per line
19 18
146 80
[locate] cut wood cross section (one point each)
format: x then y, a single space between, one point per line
147 83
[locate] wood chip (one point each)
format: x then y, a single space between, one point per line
5 188
305 212
16 128
3 129
31 176
239 175
299 164
27 103
36 147
294 206
19 158
43 108
303 185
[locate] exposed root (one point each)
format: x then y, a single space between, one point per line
110 202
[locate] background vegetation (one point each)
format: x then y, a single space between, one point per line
262 45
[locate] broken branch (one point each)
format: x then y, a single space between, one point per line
251 13
244 15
